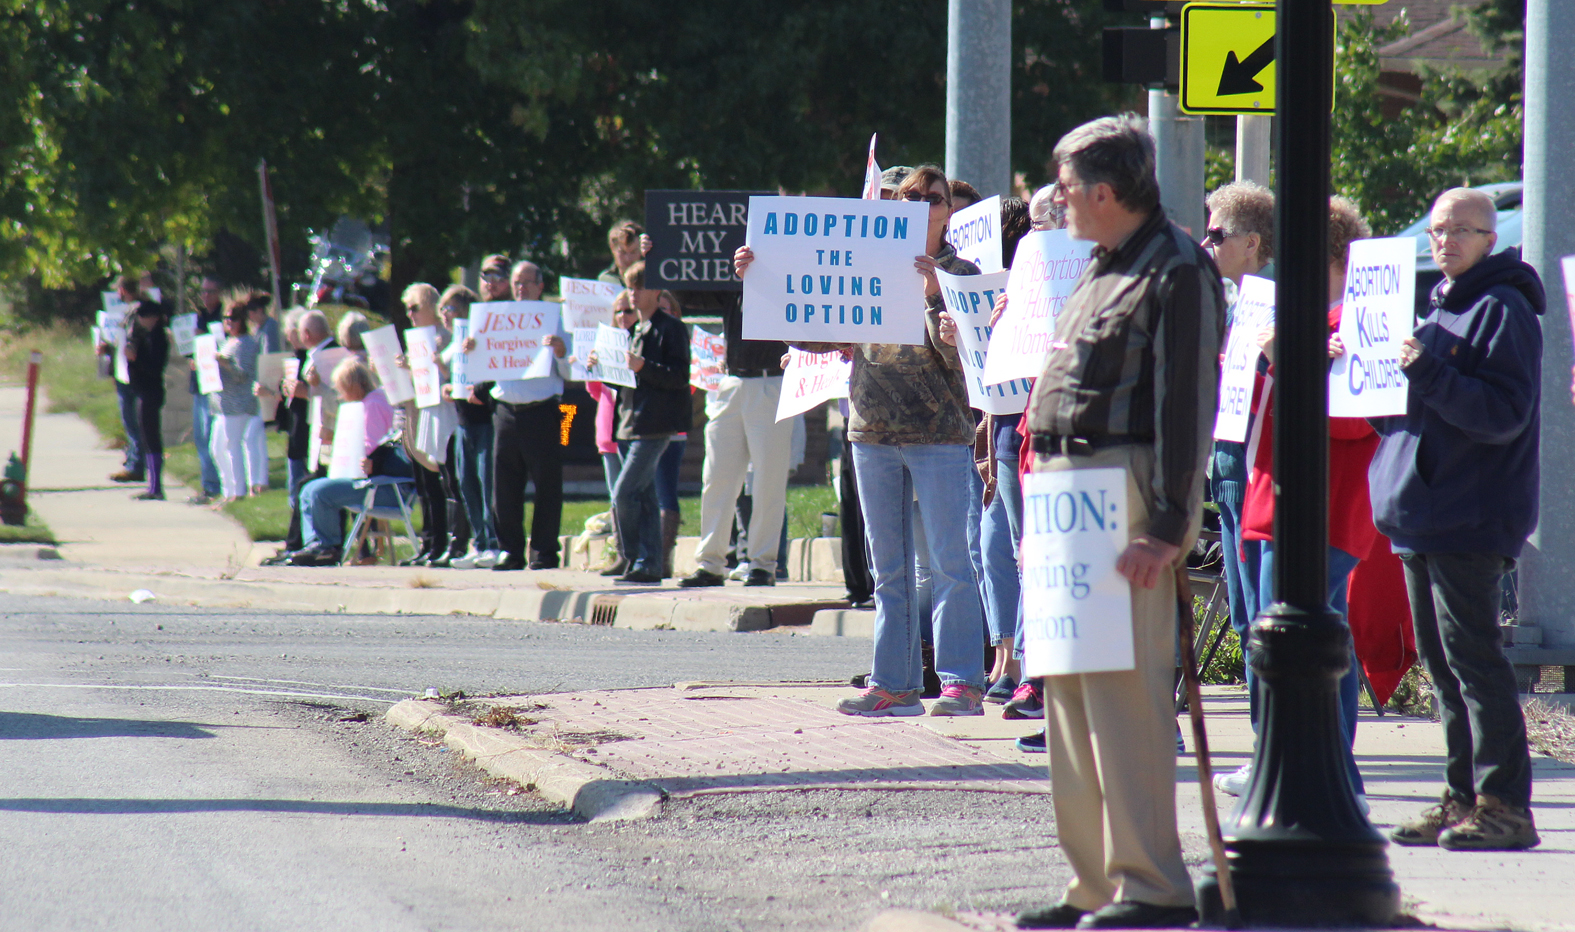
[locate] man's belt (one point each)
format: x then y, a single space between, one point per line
1059 444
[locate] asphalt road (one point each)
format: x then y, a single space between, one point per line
180 768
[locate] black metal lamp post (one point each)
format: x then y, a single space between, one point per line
1301 853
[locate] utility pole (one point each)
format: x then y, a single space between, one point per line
1253 143
979 94
1547 575
1179 148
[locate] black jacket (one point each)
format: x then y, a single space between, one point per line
748 358
659 402
152 346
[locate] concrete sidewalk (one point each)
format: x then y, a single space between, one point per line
634 747
111 545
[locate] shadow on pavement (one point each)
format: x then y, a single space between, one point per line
33 726
92 806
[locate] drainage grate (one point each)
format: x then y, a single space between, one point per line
604 609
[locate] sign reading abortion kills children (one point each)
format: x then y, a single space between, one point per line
835 270
1077 610
970 299
1379 312
1046 269
1254 312
511 340
975 232
693 237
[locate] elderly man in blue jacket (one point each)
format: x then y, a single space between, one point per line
1454 487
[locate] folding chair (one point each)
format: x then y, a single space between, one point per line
368 510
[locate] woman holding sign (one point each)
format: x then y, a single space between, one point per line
912 434
236 406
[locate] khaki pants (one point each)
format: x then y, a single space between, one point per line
1112 736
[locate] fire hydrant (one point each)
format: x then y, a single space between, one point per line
13 492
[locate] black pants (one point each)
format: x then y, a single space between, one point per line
1454 607
525 446
855 555
293 537
150 408
458 520
434 511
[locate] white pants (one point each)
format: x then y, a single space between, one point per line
742 430
237 463
257 452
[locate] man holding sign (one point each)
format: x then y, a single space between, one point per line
1128 388
1454 487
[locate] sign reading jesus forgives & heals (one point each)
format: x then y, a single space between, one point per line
835 270
511 340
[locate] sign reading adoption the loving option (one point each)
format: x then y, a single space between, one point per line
1077 609
1254 312
693 237
586 302
1044 274
970 299
835 270
511 339
811 378
1378 313
975 232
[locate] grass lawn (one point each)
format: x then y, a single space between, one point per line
32 531
70 374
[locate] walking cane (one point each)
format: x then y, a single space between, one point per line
1200 749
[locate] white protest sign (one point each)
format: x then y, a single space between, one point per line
382 350
458 378
1379 308
349 449
511 339
811 378
1254 312
586 302
216 328
836 270
1077 610
970 299
206 349
425 375
707 359
975 232
270 369
1044 274
612 356
1567 265
314 436
183 327
292 368
582 342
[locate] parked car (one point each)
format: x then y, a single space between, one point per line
1506 198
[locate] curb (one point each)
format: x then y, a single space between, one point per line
584 788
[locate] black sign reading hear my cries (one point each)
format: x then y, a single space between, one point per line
693 237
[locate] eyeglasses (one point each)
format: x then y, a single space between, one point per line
932 198
1439 234
1216 236
494 276
450 309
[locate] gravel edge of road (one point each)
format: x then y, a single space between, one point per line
586 789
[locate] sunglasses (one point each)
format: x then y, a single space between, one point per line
932 198
1215 236
494 276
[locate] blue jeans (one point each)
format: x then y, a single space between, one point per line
1242 568
999 539
639 512
1340 566
667 474
201 432
132 427
888 476
323 499
473 450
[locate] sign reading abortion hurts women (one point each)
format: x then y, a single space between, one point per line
835 270
1044 273
1377 316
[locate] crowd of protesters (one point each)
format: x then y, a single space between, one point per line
1427 511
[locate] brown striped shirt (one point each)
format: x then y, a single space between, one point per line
1136 354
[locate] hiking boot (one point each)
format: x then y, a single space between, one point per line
958 699
1492 825
875 702
1027 702
1424 830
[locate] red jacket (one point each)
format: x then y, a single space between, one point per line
1351 445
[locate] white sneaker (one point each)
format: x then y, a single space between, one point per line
466 562
739 573
1235 783
487 559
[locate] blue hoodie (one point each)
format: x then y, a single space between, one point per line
1458 473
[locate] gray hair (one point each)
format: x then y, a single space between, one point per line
1474 199
314 323
1246 207
353 324
1043 212
293 318
1117 151
527 264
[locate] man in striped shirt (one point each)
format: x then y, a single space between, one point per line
1130 382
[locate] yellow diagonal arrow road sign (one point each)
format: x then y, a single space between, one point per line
1227 58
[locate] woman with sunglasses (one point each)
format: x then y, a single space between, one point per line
912 433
